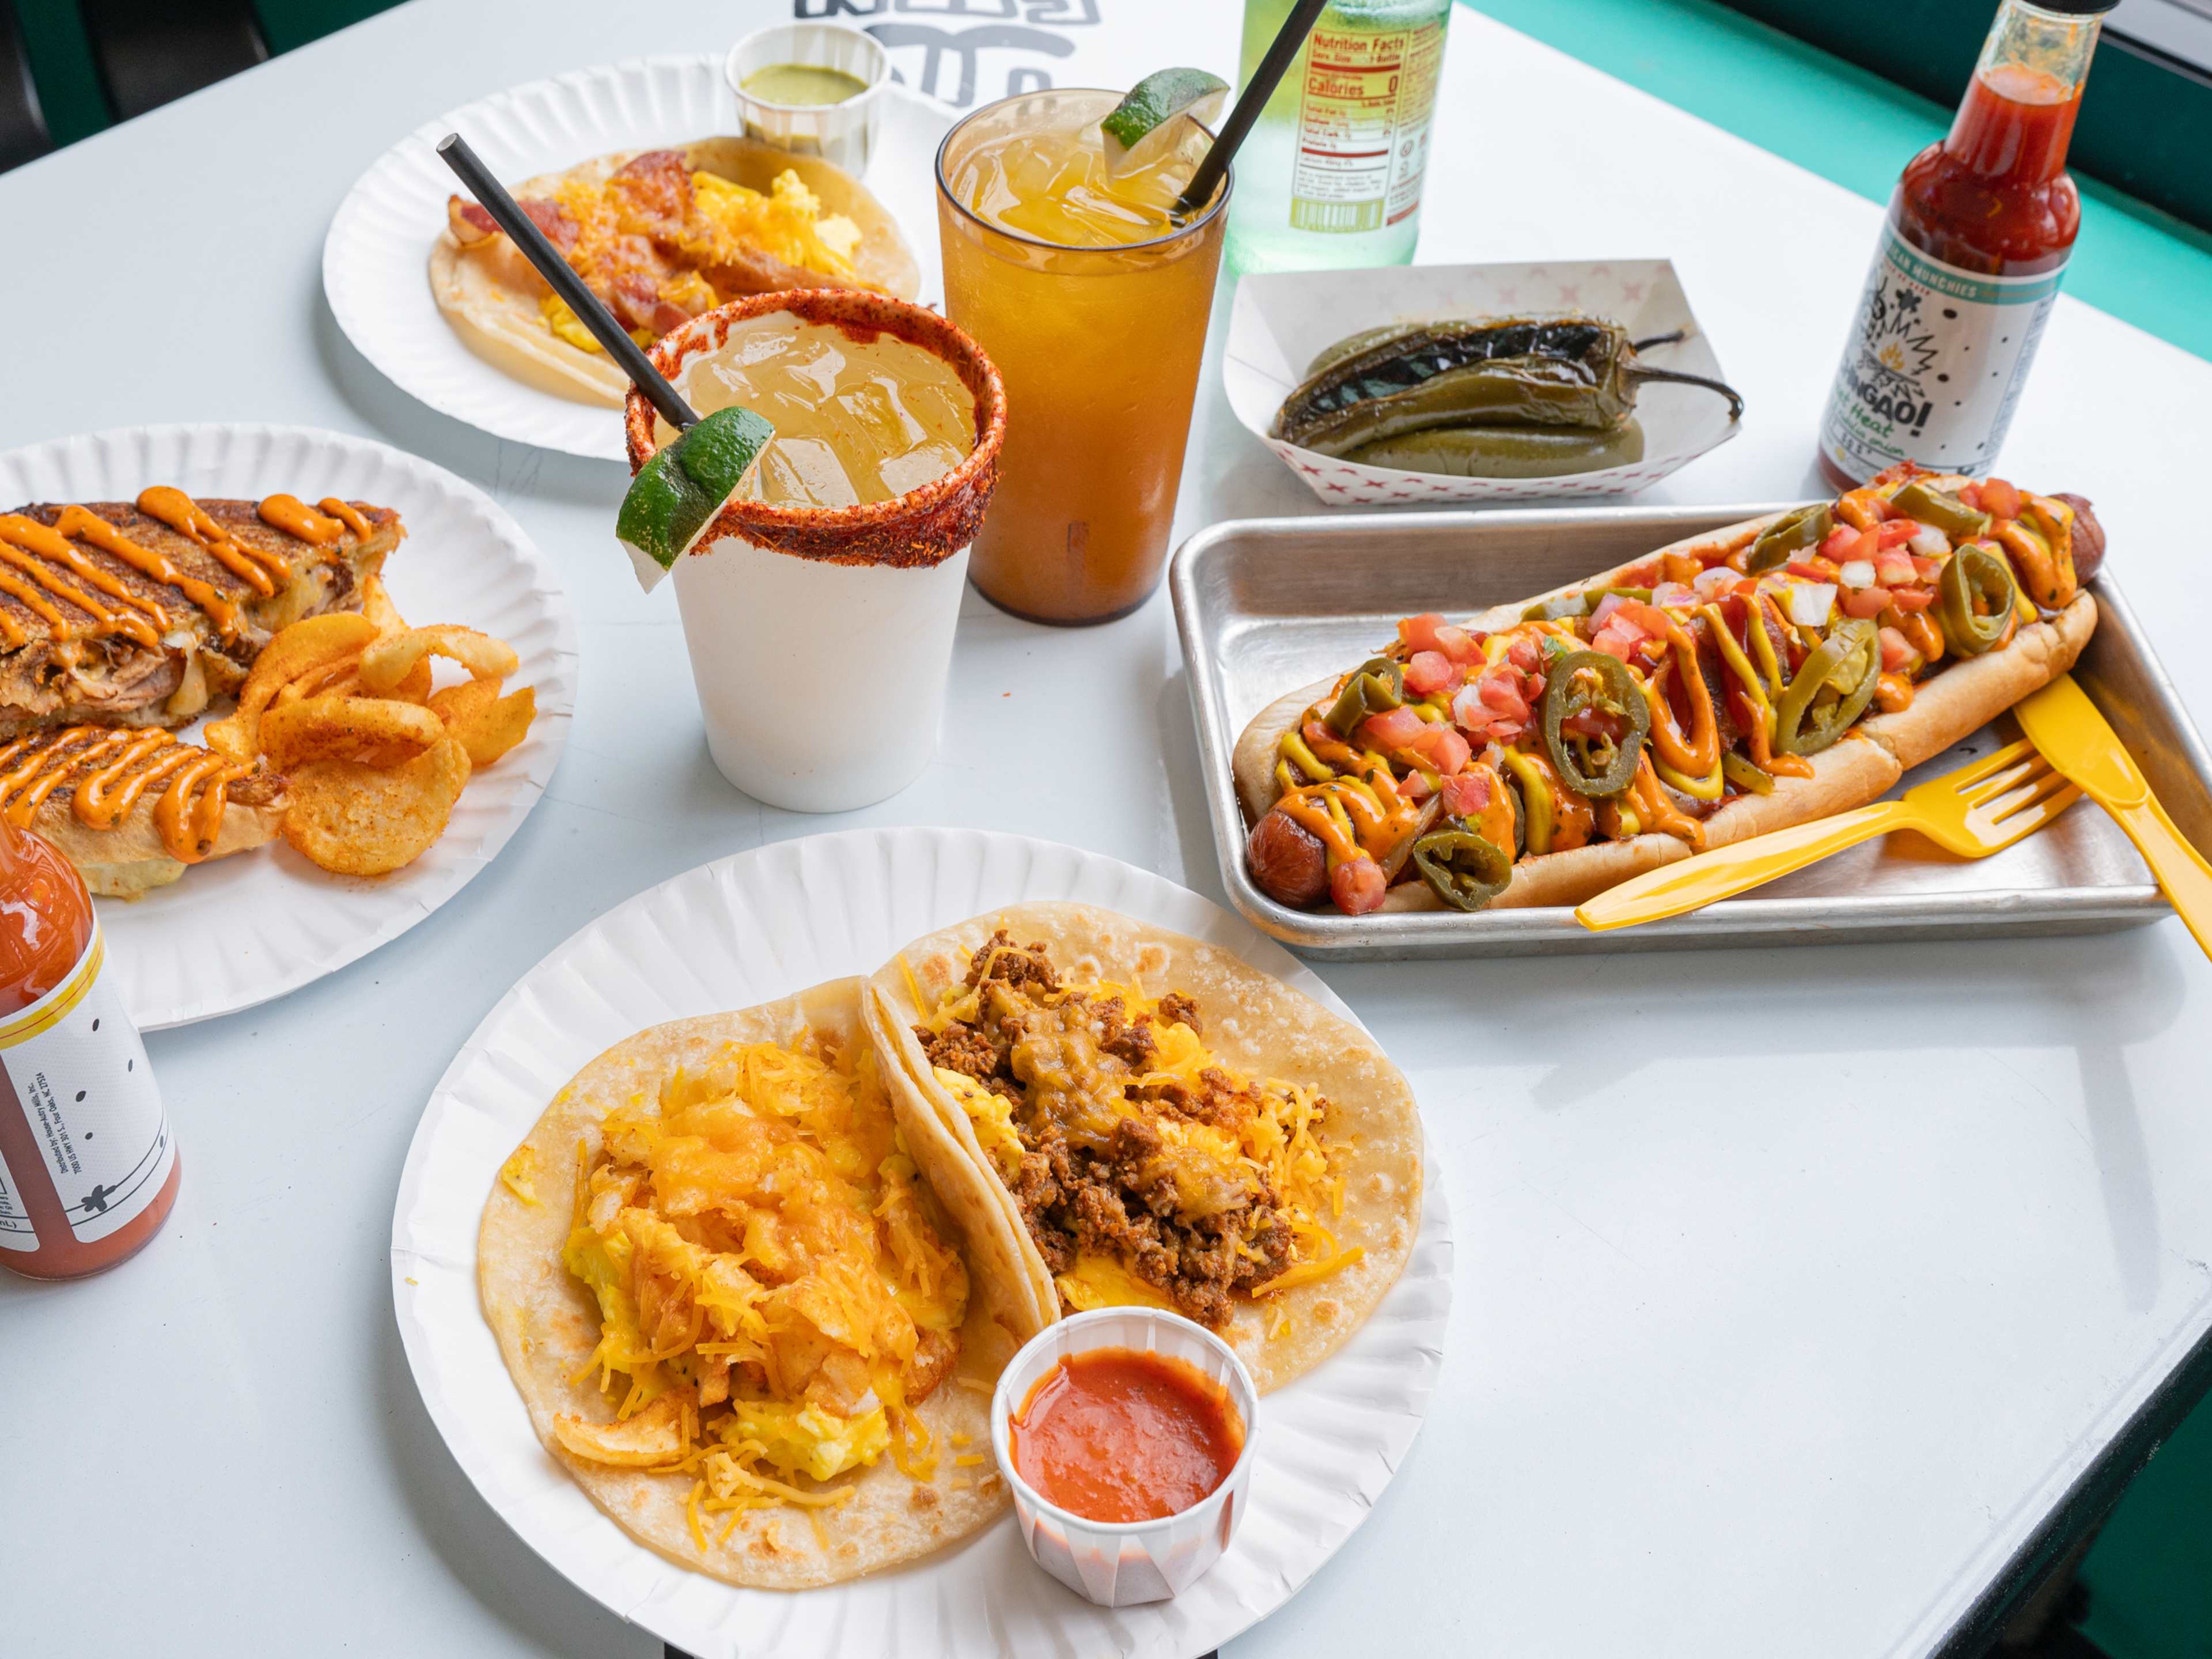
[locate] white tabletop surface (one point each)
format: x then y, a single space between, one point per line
1796 1287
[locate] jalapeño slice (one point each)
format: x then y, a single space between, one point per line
1928 505
1971 574
1831 690
1462 866
1376 686
1581 683
1793 532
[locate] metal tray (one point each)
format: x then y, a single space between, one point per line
1265 605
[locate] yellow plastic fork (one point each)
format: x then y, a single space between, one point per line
1979 809
2082 743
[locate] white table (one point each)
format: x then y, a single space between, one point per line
1796 1287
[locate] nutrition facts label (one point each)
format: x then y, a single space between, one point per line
1362 137
16 1232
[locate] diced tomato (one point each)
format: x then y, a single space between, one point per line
1431 670
1618 638
1840 541
1502 689
1460 645
1895 532
1594 722
1897 651
1525 654
1927 569
1647 617
1895 569
1357 885
1415 786
1442 748
1864 602
1466 794
1970 493
1419 632
2000 498
1909 599
1821 567
1394 728
1474 716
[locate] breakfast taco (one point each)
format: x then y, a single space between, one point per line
1149 1120
661 236
738 1315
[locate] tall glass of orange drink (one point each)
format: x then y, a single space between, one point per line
1092 296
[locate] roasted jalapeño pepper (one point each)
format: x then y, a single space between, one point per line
1831 690
1592 764
1793 532
1462 866
1376 686
1970 574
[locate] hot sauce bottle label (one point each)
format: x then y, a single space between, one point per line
1935 366
16 1232
1363 134
73 1063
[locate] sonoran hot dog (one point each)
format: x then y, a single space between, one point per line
1775 672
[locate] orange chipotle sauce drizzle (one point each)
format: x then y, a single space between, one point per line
295 518
1120 1435
85 525
347 514
260 571
108 770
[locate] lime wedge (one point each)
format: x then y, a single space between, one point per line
1144 126
677 492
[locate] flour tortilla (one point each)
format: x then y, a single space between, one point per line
1254 1024
490 293
1964 696
547 1324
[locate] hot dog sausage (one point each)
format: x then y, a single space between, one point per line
1287 859
2088 538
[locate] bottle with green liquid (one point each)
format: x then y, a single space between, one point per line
1331 176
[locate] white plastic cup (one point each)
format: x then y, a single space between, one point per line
760 626
821 638
1122 1564
844 135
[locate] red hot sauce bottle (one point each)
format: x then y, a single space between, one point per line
88 1165
1979 232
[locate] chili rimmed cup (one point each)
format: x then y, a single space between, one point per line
1120 1564
821 638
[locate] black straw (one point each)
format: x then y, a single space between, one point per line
1203 183
556 271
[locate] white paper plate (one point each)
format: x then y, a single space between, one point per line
1281 323
376 258
254 925
754 927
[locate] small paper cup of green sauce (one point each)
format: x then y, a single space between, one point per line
812 88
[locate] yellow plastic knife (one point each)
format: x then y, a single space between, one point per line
2061 722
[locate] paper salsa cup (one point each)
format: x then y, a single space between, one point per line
1120 1563
842 134
772 594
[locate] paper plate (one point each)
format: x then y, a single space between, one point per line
251 927
1281 323
757 926
376 258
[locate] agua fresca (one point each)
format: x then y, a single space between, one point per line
1978 237
860 417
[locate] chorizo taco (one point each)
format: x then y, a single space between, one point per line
661 236
1776 671
1151 1120
738 1315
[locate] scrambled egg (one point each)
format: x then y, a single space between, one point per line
773 1297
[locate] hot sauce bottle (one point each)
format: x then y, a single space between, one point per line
1978 235
88 1165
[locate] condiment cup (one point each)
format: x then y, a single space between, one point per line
1122 1563
820 638
841 134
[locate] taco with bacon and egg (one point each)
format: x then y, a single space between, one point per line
1149 1120
737 1314
660 236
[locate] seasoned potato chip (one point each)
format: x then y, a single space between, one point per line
376 606
378 731
386 663
330 677
357 820
227 736
487 724
303 647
